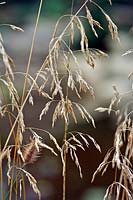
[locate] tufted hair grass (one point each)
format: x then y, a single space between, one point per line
66 109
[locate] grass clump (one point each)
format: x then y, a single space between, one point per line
56 87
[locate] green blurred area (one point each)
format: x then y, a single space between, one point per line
22 12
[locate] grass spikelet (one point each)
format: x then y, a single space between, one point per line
102 165
21 122
7 61
91 21
32 150
3 154
95 143
30 153
76 160
84 113
115 100
32 182
84 39
73 142
13 27
72 32
12 92
55 141
45 110
92 54
116 184
16 28
111 25
52 138
83 85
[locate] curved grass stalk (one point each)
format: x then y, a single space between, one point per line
31 49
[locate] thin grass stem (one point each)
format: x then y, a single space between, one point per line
31 49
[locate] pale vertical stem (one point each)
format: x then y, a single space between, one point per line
65 139
14 160
16 182
115 191
25 82
65 161
10 121
124 194
121 176
23 184
31 49
1 177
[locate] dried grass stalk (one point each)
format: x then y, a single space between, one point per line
111 25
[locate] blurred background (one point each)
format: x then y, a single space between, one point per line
110 71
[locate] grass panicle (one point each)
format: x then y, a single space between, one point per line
54 81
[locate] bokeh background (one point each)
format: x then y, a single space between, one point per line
113 70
